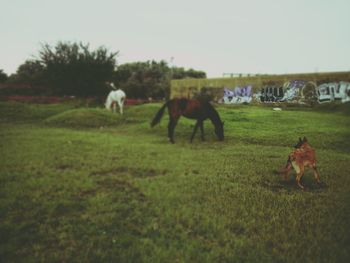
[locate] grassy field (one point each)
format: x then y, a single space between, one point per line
85 185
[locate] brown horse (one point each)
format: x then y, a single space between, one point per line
192 109
303 156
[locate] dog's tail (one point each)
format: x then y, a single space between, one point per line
289 162
159 115
287 166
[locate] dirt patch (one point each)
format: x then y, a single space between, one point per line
65 209
140 173
237 228
120 186
87 192
117 170
134 172
147 172
117 184
63 167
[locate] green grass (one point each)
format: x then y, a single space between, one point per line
86 185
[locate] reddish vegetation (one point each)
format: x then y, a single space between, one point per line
135 101
54 99
35 99
27 93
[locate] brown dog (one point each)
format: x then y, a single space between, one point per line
303 156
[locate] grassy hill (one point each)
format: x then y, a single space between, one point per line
86 185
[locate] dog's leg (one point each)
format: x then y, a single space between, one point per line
299 176
300 171
316 174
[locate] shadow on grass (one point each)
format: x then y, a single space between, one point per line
290 184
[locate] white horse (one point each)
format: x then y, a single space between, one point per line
114 97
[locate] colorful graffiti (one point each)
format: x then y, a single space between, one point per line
328 92
238 95
302 91
270 92
295 91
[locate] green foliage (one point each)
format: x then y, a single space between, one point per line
124 194
3 76
144 79
151 78
73 69
82 118
181 73
30 72
23 112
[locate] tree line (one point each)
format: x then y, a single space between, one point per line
74 69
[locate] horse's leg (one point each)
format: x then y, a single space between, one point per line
202 130
171 127
120 103
114 106
194 131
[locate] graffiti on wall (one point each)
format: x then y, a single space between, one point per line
295 91
270 92
238 95
334 91
302 91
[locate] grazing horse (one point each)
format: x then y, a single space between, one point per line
114 97
303 156
192 109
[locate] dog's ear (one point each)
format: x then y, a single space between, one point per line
300 139
305 139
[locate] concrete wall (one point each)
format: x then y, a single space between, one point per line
190 87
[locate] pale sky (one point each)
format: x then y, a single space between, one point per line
221 36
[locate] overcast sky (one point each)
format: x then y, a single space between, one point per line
221 36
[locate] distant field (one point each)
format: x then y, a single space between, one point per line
85 185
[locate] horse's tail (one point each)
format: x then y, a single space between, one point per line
159 115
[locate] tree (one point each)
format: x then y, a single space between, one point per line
3 76
73 69
144 79
30 72
181 73
151 78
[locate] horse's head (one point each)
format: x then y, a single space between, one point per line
219 131
110 85
300 143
